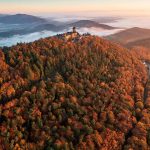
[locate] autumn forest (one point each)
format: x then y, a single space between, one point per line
82 94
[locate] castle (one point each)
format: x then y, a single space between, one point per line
71 35
74 35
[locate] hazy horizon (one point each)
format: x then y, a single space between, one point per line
78 7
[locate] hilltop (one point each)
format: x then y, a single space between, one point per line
80 93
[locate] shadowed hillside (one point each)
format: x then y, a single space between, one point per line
143 43
130 35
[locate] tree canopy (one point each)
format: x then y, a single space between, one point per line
83 94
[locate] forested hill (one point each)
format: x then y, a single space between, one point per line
75 94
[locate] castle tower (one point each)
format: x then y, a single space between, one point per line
74 29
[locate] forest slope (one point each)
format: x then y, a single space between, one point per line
75 94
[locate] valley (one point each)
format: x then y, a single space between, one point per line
27 28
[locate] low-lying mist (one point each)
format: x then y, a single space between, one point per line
37 35
120 23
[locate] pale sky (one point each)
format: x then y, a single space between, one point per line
117 7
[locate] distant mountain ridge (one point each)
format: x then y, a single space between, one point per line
89 24
20 19
30 24
1 15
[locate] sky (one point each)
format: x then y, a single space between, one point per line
114 7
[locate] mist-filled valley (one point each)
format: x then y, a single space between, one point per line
25 30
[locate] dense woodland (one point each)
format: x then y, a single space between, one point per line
85 94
